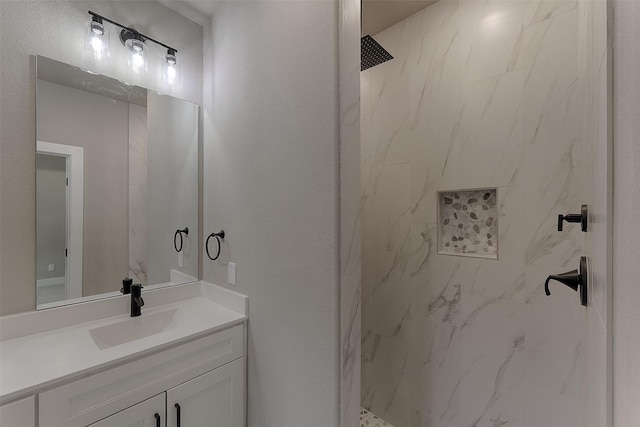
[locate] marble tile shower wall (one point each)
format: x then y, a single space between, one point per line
481 94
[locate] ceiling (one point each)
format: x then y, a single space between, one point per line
380 14
376 14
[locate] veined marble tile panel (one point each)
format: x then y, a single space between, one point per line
552 110
439 14
436 94
553 175
366 390
469 168
548 409
389 389
391 301
438 285
472 337
429 157
599 38
554 337
494 375
540 10
492 113
420 419
505 408
429 340
434 379
491 34
595 380
600 292
390 114
386 209
488 323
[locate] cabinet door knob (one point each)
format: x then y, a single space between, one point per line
177 415
157 417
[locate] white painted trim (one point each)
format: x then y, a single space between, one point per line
52 281
75 217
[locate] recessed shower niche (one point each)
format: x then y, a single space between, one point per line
468 223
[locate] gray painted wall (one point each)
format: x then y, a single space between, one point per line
60 36
271 156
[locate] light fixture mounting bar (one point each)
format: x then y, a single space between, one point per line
131 30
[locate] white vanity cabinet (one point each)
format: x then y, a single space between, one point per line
214 399
18 414
204 376
150 413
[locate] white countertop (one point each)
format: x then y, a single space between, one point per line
36 361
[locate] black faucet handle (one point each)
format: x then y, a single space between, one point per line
126 286
136 300
574 279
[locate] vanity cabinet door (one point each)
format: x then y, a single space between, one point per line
214 399
19 414
150 413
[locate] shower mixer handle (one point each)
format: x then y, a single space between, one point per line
574 279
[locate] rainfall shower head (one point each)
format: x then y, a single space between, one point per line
371 53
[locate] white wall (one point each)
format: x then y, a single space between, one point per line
626 194
271 153
60 35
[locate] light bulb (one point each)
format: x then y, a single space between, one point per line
170 75
96 44
137 57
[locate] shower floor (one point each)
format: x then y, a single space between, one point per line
367 419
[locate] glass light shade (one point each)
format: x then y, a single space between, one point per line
170 70
136 55
96 41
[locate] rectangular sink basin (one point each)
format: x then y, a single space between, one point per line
132 329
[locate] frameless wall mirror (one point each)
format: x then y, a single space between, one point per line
116 185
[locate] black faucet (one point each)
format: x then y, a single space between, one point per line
136 300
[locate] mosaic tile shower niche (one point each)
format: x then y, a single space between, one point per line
468 223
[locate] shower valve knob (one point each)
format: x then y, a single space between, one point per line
574 279
582 218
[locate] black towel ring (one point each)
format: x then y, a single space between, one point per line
179 233
218 236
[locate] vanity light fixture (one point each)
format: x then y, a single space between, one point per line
97 41
97 38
